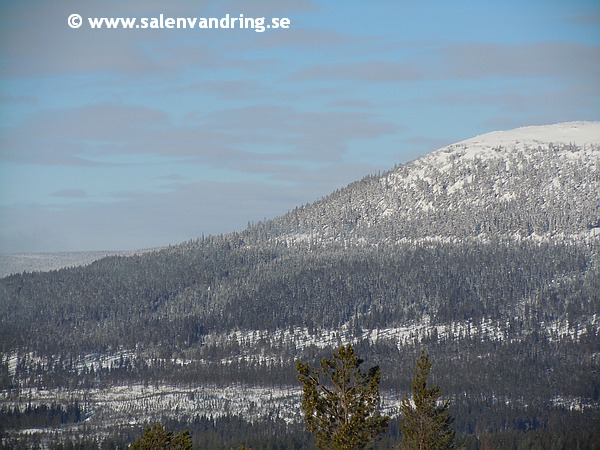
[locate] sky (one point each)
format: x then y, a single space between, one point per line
134 138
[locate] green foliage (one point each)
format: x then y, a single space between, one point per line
340 402
157 438
426 424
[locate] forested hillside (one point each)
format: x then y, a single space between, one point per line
175 297
486 253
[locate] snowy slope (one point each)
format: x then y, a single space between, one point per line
579 133
535 182
584 135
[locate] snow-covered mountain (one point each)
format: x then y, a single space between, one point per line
539 182
484 252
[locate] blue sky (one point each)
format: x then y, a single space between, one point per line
124 139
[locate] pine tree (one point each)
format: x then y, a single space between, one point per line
340 402
157 438
426 421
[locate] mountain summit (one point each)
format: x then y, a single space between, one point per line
537 182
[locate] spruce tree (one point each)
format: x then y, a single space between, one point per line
426 420
340 402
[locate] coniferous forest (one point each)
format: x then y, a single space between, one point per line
504 297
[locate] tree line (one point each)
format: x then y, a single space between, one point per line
341 409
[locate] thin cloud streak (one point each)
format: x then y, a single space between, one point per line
369 71
70 193
545 60
222 137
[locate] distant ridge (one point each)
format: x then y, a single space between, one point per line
11 263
